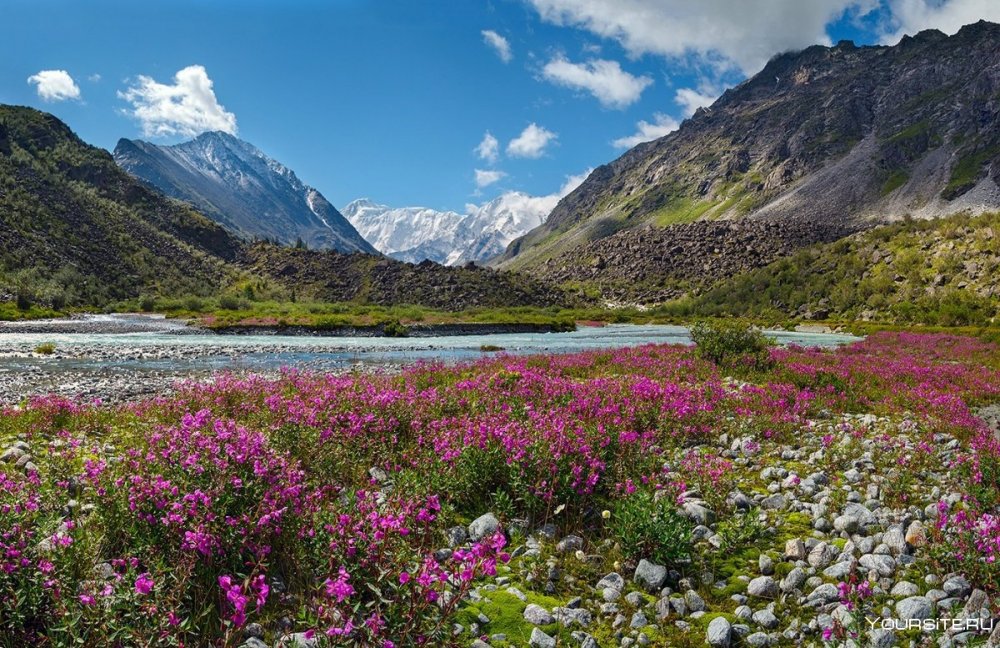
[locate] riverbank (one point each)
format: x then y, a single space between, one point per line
128 357
392 329
125 323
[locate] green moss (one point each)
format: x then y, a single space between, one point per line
910 132
680 210
966 171
795 525
896 180
506 614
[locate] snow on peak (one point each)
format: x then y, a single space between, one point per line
484 231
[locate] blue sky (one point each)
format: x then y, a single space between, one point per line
389 99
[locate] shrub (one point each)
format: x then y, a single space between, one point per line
740 531
229 302
395 329
194 304
730 343
147 303
649 526
46 348
24 300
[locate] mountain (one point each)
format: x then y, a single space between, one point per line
846 135
417 233
240 187
77 230
482 233
406 233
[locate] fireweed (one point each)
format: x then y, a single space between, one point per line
323 499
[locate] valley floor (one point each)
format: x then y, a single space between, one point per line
638 496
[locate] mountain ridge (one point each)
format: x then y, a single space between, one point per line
846 133
77 230
413 234
242 188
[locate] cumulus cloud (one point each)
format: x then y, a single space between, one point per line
539 206
187 107
912 16
531 143
691 100
724 33
499 44
647 132
606 80
485 178
55 85
489 148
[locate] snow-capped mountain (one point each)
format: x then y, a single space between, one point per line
405 233
237 185
484 231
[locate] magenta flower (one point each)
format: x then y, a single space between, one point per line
143 584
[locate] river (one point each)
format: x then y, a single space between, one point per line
115 356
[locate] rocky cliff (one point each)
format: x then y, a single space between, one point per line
846 135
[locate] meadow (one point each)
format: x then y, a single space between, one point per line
725 494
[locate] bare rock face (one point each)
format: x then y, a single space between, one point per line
841 134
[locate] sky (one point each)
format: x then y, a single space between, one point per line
437 103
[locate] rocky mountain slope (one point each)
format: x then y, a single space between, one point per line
842 134
240 187
77 230
331 276
653 265
74 228
916 271
417 233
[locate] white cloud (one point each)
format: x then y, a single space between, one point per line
55 85
540 206
572 182
94 78
188 107
485 178
500 44
691 100
647 132
606 80
744 34
531 142
489 148
912 16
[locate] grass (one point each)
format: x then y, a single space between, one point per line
910 132
9 312
966 171
680 210
896 180
46 348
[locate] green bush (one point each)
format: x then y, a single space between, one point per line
395 329
147 303
46 348
650 527
194 304
229 302
24 300
740 531
731 343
